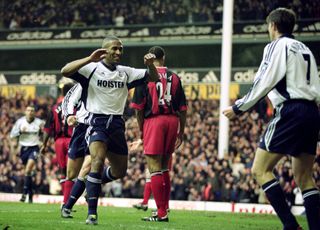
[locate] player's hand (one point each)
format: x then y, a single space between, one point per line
135 146
98 55
149 58
42 149
179 141
229 113
72 120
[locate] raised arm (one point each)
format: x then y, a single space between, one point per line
72 67
152 70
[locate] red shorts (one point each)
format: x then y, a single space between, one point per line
61 145
160 134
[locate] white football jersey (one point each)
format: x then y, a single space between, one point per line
288 71
72 101
28 133
106 90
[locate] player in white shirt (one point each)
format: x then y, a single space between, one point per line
288 75
79 160
105 85
27 131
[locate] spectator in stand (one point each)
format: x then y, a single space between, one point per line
31 14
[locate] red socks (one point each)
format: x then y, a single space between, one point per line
158 190
166 177
146 192
67 190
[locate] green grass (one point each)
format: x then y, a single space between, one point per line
47 217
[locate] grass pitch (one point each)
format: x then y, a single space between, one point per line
47 216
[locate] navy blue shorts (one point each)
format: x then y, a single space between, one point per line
78 146
294 129
29 152
111 130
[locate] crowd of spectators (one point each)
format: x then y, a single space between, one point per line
54 13
197 172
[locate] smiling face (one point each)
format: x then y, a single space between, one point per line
114 51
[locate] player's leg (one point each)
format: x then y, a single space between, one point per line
68 182
146 193
262 168
98 151
170 141
157 187
28 184
77 150
302 167
118 164
60 152
78 188
117 153
166 177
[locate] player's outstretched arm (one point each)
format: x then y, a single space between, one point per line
74 66
229 113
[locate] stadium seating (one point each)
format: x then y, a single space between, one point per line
30 14
197 173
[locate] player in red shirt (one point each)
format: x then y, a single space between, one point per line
56 126
162 123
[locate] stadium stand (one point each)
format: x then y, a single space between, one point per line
30 14
197 173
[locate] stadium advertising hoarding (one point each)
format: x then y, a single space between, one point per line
188 76
146 32
198 83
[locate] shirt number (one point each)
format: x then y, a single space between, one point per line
306 57
164 95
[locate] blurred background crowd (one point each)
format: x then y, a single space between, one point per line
70 13
197 173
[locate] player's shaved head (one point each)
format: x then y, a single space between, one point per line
158 51
108 40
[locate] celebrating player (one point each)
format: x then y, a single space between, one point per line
288 75
106 85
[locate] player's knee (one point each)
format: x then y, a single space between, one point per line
257 173
97 165
304 181
85 170
71 175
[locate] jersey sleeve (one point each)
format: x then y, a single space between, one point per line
272 69
139 98
83 74
15 131
182 98
134 74
71 100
